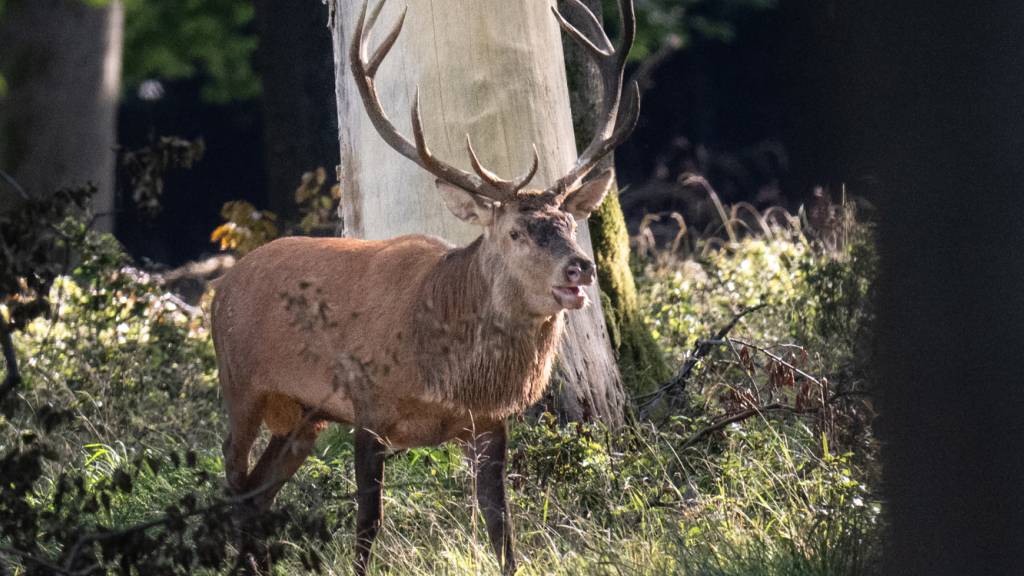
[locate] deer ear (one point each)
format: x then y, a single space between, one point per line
466 206
589 195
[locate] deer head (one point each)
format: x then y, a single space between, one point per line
528 246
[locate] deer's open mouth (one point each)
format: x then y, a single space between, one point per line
571 297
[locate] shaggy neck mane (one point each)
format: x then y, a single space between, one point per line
475 353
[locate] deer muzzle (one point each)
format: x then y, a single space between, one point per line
578 274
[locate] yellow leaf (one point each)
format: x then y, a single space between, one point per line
221 231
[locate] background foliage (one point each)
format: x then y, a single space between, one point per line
211 39
111 443
757 458
685 20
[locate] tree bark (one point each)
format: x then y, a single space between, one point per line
640 360
492 69
62 63
299 117
930 100
13 377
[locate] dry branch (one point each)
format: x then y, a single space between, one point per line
677 384
741 416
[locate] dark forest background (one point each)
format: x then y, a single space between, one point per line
778 103
749 102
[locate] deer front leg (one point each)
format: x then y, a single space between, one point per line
486 455
369 463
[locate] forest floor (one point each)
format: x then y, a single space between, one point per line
760 461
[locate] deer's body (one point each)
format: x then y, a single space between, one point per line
305 323
410 340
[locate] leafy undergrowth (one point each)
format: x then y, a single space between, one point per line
760 461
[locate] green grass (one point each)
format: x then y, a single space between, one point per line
779 493
764 503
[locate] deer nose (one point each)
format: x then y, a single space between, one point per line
580 271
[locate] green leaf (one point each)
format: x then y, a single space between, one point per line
209 39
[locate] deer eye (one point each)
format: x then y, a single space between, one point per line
514 234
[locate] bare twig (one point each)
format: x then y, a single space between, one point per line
156 522
763 410
691 179
32 559
743 366
730 341
739 417
14 185
678 382
642 76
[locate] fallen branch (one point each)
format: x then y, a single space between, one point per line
739 417
29 558
761 411
81 545
675 386
642 76
13 184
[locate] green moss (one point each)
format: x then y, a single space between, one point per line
642 364
640 360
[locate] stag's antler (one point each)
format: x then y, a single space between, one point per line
613 128
483 183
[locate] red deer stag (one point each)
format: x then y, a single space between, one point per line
411 341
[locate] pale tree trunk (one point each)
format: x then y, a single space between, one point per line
640 360
493 69
62 63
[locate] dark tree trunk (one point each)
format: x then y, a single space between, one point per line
639 358
299 116
932 99
13 377
62 63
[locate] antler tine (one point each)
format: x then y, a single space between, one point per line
628 13
387 44
373 17
486 184
595 30
460 178
522 182
613 126
364 72
602 147
367 90
510 187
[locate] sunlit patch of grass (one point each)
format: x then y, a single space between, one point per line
772 499
771 494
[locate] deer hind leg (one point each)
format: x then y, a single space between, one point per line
244 420
293 434
486 455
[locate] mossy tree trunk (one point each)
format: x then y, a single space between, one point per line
640 360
